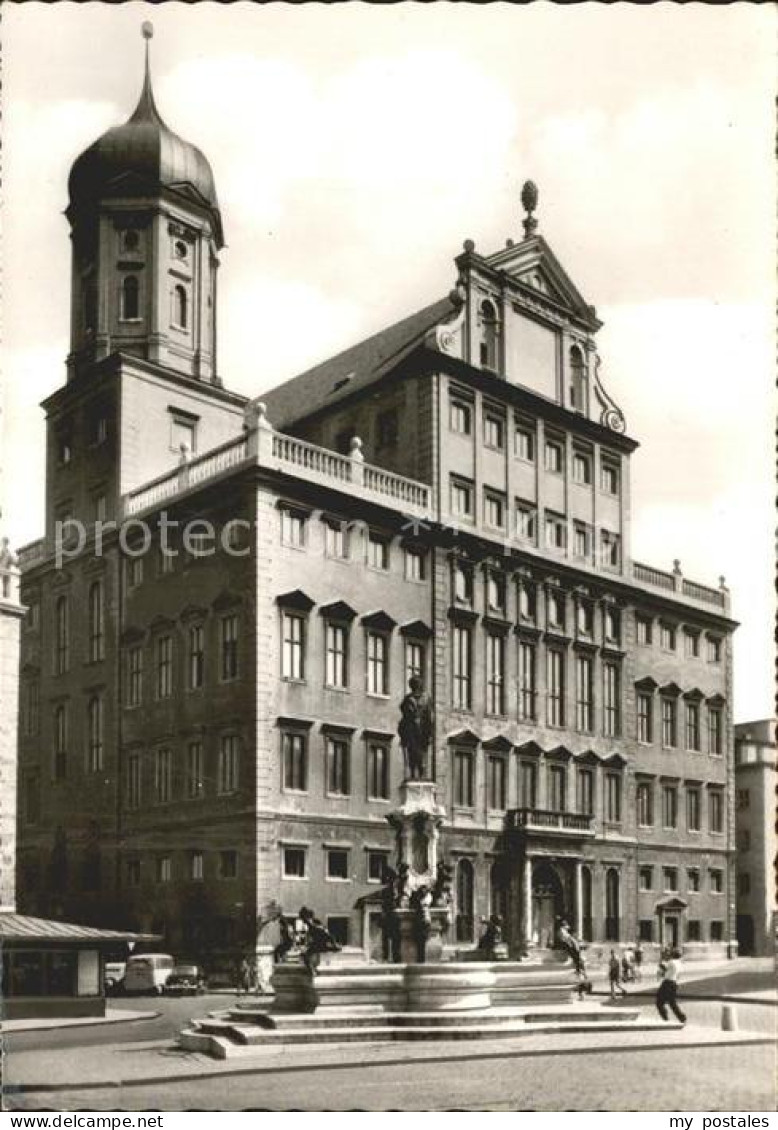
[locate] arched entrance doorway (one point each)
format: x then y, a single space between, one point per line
548 903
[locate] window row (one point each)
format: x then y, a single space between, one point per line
670 719
330 764
340 539
667 634
166 774
667 795
95 633
130 302
196 658
669 878
192 865
338 863
69 748
694 930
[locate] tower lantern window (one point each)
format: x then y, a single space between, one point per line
180 307
130 298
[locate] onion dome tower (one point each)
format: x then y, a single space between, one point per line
146 232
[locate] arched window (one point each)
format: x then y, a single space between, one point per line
498 894
130 298
612 904
95 729
579 385
489 335
465 901
61 636
96 634
586 904
180 303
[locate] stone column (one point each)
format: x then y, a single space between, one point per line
578 928
526 904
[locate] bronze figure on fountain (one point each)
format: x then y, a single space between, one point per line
415 730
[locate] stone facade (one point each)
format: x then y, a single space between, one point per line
755 836
11 613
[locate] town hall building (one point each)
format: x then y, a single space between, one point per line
212 662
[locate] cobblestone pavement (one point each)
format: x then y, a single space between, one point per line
681 1079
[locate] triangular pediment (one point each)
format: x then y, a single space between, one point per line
463 737
498 744
534 265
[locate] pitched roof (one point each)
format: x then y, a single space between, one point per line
22 927
354 368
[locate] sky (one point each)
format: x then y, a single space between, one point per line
355 147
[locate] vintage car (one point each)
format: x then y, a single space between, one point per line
185 980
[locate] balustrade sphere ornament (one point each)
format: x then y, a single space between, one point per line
529 196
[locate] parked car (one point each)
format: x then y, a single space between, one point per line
185 980
113 977
147 973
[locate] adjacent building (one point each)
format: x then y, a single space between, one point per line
11 615
211 671
756 792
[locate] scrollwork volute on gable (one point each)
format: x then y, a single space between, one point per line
611 415
447 337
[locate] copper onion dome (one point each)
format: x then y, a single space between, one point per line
142 156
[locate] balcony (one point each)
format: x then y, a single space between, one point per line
543 820
676 583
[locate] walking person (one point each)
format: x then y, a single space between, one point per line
637 967
614 975
667 993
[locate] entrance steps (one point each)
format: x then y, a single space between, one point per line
228 1034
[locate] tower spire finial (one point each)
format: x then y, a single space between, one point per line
529 201
146 107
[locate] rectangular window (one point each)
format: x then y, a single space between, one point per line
715 810
528 784
582 468
693 930
555 457
294 863
293 646
526 681
377 664
61 728
227 772
96 623
32 701
336 540
585 792
669 714
415 660
524 442
339 927
196 866
164 869
166 561
691 644
667 637
693 879
644 798
646 930
693 809
336 657
337 863
183 432
555 683
494 509
611 717
62 636
463 778
670 878
610 549
612 625
669 806
644 629
377 863
377 771
526 521
717 930
609 477
196 656
495 673
293 528
95 734
133 571
714 649
461 417
195 771
377 552
163 775
228 864
462 661
645 704
613 798
387 428
556 531
415 565
494 431
229 648
581 540
556 788
461 498
555 610
164 666
133 872
294 756
716 881
338 756
714 730
496 783
584 618
584 693
646 878
527 594
133 780
693 725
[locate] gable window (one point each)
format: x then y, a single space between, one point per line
227 772
95 729
336 655
487 351
494 431
196 656
164 666
555 457
524 442
293 646
163 775
496 782
229 648
495 673
130 304
645 704
461 497
292 528
526 681
377 664
555 683
462 667
460 417
195 771
584 669
377 552
338 756
463 778
377 771
644 800
294 759
579 390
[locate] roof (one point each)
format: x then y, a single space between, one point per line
355 368
23 928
